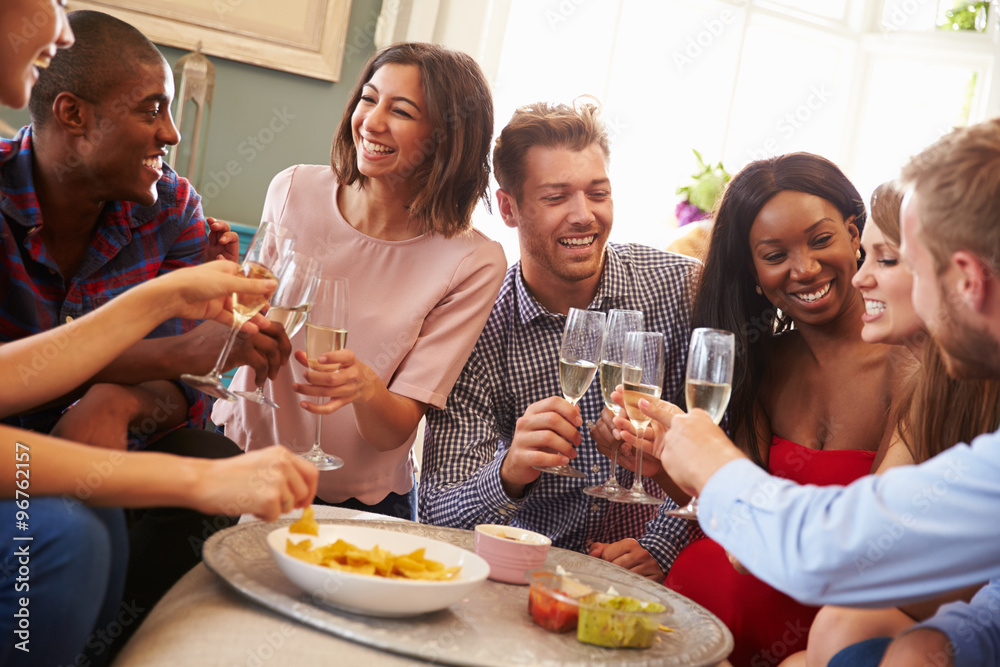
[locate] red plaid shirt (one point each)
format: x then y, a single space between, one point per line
132 244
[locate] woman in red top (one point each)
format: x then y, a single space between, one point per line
811 400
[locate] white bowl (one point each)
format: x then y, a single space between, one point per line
373 595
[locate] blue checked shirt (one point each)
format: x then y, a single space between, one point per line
515 364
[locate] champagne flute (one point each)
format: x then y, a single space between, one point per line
579 354
326 331
269 249
620 322
642 377
709 384
290 305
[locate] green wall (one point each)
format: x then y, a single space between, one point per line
264 120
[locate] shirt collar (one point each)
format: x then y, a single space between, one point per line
613 286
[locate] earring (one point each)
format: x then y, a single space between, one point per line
857 254
759 290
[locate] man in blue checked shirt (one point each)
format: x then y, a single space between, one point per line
506 413
915 531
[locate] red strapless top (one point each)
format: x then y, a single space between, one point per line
767 625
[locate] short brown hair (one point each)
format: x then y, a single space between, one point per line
456 172
957 180
886 201
545 124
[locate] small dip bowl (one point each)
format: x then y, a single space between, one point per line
560 603
510 551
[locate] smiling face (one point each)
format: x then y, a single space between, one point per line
564 217
390 123
886 284
32 31
129 134
804 257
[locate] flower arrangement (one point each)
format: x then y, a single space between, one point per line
700 195
965 16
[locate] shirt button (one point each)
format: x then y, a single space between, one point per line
596 468
595 507
69 318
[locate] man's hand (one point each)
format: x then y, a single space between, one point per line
547 434
265 351
691 448
628 553
222 243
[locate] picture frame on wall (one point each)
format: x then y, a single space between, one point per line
305 37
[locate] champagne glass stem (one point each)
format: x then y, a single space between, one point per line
224 355
319 429
613 479
637 487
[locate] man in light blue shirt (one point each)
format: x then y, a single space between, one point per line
916 531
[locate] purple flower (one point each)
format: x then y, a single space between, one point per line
687 212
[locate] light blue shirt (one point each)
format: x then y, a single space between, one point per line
909 534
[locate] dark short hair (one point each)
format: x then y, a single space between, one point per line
726 297
456 173
106 53
549 125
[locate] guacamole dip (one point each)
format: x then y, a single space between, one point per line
612 621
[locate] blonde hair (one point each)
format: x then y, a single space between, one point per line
957 182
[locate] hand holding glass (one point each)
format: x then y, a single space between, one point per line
326 331
709 384
269 249
579 355
620 323
642 378
290 305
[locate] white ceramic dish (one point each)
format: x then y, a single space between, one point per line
379 596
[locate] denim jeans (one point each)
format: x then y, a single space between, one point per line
64 586
863 654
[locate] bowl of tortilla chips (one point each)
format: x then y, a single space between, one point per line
374 572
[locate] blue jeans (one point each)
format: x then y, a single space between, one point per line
863 654
63 585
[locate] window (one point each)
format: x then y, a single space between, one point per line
864 83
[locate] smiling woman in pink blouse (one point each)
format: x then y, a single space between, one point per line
392 214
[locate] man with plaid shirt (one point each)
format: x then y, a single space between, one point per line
506 414
90 210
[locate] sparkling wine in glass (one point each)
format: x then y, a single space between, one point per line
709 384
579 355
326 331
269 250
620 322
290 305
642 378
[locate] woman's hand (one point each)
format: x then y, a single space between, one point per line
265 483
339 376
